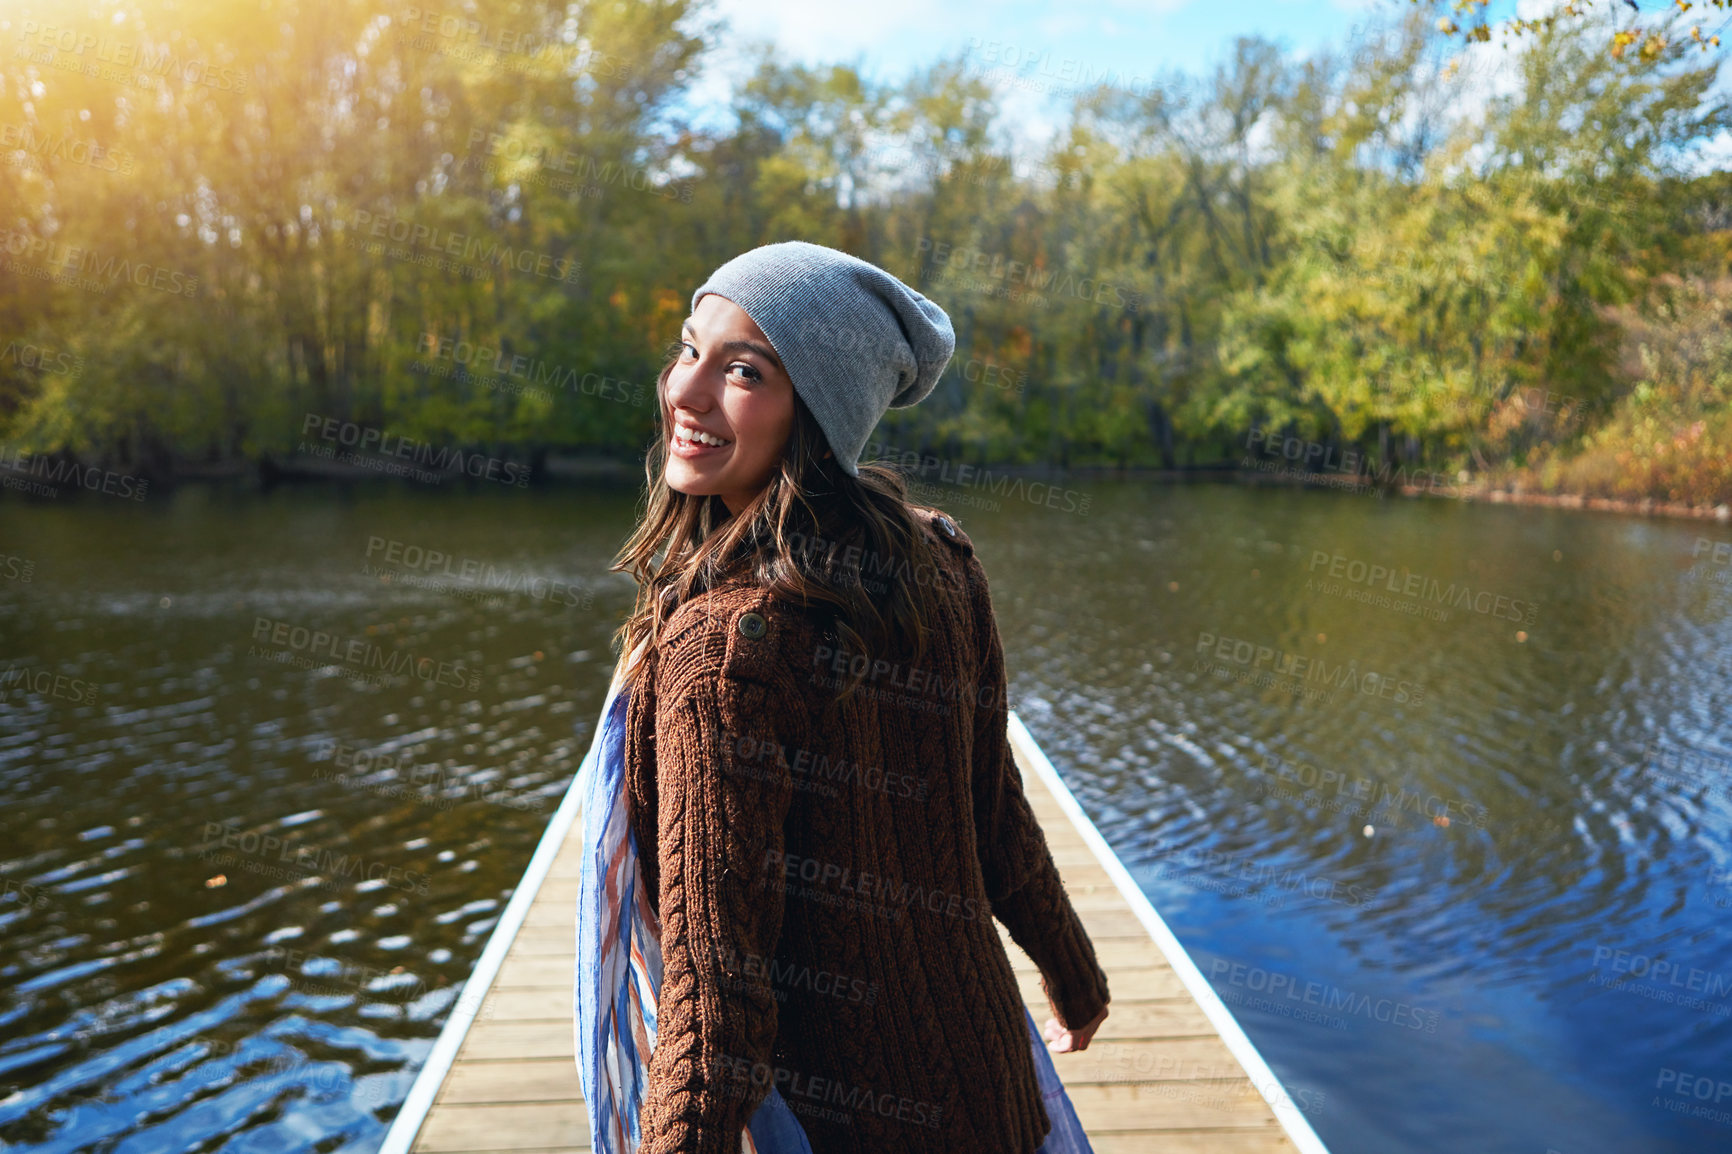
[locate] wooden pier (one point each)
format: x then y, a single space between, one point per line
1169 1071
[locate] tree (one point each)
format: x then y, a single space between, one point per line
1650 40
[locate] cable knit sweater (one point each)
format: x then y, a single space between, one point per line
826 892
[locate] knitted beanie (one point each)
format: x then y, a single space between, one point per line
854 339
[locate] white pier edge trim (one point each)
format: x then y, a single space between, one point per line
1263 1078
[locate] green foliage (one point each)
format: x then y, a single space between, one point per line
1323 246
1670 437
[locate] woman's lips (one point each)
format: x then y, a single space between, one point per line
680 447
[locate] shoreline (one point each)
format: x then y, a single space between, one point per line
1511 495
268 471
1515 495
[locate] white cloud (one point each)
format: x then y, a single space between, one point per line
1030 53
814 33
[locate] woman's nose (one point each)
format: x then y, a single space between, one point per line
693 386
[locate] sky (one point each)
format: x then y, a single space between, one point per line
1124 37
1035 51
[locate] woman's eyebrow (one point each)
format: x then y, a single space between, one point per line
752 347
764 351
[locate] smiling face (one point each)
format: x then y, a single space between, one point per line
728 407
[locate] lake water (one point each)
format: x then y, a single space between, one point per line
1436 793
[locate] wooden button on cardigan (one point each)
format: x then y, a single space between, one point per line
826 890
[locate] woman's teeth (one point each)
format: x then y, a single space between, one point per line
698 435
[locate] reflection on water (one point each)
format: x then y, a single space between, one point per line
1434 793
248 876
1488 917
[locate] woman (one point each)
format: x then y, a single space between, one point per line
811 765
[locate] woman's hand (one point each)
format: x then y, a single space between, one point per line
1066 1041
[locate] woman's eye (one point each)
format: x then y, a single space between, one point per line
741 367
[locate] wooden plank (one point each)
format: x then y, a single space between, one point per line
554 941
1080 877
1128 1021
1088 898
1071 853
514 1080
519 1040
554 915
512 1126
535 970
1119 923
1139 984
540 1004
1111 953
1145 1106
1202 1060
560 889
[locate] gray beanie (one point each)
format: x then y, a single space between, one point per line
855 340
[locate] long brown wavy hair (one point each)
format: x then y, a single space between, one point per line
812 535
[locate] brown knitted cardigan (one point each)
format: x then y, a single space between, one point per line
826 892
